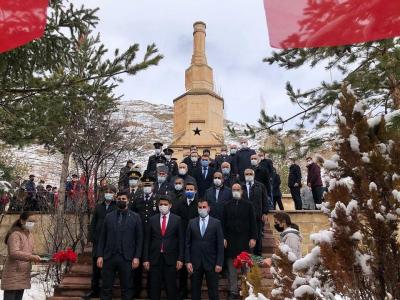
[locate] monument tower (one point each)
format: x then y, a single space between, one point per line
199 112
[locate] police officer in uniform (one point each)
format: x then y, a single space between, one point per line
134 185
155 160
170 163
161 186
145 204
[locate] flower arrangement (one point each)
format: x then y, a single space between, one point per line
68 256
243 260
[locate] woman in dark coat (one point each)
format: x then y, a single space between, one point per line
240 232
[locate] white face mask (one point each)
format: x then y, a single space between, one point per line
226 171
217 182
147 190
249 178
254 162
236 195
168 157
182 171
164 209
309 162
158 151
194 159
178 187
233 151
223 153
108 196
244 145
203 212
161 179
29 226
133 182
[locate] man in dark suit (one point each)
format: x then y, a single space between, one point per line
217 196
204 251
240 232
223 157
164 250
96 225
187 210
229 177
170 163
161 185
256 193
120 248
294 183
182 173
261 174
177 194
145 204
243 158
194 163
204 175
155 159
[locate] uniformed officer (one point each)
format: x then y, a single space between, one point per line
134 184
155 160
145 204
170 163
161 186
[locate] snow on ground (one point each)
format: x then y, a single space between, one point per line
36 292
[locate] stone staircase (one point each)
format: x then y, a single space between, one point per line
76 283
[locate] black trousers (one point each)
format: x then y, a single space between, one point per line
183 281
260 229
116 263
278 200
212 279
13 295
96 275
317 192
295 191
163 274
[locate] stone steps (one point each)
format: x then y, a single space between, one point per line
76 283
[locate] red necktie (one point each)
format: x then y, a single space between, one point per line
163 229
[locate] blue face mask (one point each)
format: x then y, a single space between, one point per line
190 194
204 163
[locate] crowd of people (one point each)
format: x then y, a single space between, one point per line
187 220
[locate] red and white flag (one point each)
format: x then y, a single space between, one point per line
21 21
322 23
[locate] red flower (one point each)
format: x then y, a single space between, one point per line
243 260
65 256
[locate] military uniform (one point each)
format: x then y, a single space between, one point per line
170 163
154 160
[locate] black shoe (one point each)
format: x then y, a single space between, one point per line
92 294
183 295
233 296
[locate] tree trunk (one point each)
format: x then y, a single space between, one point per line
59 226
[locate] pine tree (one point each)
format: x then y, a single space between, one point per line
359 257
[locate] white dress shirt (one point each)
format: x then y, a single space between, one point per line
166 221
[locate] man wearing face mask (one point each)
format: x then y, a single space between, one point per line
187 160
194 164
256 193
133 190
262 175
217 196
314 181
223 157
233 159
204 251
120 248
183 174
124 177
228 176
204 175
177 194
156 158
99 214
163 252
240 232
170 163
162 185
145 204
243 158
187 210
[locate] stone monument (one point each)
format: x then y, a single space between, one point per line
199 112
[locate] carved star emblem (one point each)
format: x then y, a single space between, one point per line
196 131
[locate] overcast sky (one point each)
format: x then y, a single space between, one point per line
237 41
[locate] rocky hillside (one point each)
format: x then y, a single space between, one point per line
150 122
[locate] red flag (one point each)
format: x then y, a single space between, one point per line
21 21
321 23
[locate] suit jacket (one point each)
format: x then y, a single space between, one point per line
259 199
262 175
187 212
132 242
146 209
240 226
314 175
161 189
172 241
204 183
217 205
243 161
294 175
230 180
96 224
206 251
